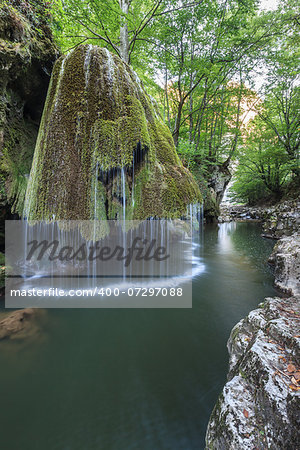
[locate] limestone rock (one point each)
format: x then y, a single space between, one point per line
282 219
213 189
285 257
259 405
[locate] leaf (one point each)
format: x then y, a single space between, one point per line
297 375
294 381
246 414
291 368
294 388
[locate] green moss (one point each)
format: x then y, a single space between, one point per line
26 51
17 152
96 117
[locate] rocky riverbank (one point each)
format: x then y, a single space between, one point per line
258 407
282 219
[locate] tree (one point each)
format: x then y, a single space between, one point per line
263 168
280 113
119 25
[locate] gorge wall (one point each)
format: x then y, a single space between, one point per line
27 55
213 188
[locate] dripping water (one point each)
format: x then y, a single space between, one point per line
87 64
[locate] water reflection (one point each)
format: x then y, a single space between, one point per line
136 378
224 237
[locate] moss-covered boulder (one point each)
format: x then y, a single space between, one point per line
27 55
103 150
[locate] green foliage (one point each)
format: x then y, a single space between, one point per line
187 152
199 60
264 167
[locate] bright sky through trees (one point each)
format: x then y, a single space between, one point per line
268 5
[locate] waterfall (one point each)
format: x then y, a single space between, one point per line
110 71
98 152
61 73
87 64
123 193
132 189
95 192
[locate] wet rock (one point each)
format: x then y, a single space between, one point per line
19 324
117 158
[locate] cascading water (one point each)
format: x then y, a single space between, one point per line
104 153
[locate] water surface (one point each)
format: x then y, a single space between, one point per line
134 379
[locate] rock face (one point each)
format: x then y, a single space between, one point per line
259 405
103 143
213 189
27 54
286 260
282 219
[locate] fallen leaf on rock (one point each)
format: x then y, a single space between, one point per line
294 381
291 368
294 388
297 375
246 414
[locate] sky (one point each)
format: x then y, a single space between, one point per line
268 5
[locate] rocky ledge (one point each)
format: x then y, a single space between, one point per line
259 405
282 219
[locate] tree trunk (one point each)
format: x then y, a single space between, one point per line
191 97
124 39
177 123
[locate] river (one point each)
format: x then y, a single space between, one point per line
125 379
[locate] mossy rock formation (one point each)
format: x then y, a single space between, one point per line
103 150
27 55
